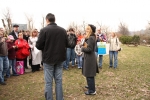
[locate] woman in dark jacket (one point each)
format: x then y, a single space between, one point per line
90 67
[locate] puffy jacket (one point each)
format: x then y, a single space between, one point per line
114 44
21 44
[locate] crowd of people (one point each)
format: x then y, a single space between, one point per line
15 47
55 48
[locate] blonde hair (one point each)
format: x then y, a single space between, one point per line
34 31
114 34
90 31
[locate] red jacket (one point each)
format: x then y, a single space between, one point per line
22 46
80 37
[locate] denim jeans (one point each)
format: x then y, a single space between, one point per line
91 84
12 63
4 65
53 71
79 59
70 56
100 60
115 55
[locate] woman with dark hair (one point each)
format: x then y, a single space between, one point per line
90 67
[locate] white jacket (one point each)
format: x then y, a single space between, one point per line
36 54
114 44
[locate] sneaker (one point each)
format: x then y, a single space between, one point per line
66 69
15 75
5 79
26 67
2 83
88 93
7 76
86 87
110 66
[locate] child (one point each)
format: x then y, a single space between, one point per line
79 54
11 56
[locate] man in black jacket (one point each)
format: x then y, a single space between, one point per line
72 41
52 41
15 32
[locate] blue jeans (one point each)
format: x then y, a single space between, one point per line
12 63
91 84
70 56
53 71
115 55
79 59
100 60
4 65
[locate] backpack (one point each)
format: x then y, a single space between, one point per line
71 41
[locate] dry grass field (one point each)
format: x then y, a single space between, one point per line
130 81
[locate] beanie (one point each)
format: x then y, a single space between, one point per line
92 27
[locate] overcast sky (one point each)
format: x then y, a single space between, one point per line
135 13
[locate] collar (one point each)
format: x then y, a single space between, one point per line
52 23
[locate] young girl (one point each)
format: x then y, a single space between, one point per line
79 54
11 56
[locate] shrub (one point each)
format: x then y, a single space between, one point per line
136 39
125 39
128 39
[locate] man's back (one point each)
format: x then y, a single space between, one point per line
53 42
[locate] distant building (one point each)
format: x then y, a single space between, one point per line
21 26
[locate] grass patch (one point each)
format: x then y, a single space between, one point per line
131 81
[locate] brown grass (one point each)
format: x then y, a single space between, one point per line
131 81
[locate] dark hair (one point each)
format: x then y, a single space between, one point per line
71 29
50 17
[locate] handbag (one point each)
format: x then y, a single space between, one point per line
19 67
118 47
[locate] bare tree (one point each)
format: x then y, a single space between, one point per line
30 23
7 18
43 22
123 29
73 25
100 25
105 29
83 26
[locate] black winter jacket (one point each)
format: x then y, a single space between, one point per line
52 41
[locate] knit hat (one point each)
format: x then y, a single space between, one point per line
11 37
93 28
